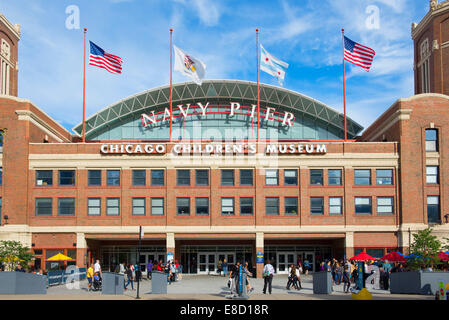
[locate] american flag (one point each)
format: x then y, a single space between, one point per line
99 58
358 54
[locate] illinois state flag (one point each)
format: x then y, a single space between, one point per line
272 65
189 66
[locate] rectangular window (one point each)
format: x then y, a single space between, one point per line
112 206
227 206
202 206
93 206
335 205
183 206
385 205
431 140
1 176
432 175
291 205
384 177
316 177
272 206
183 177
157 178
113 178
334 178
290 177
363 205
138 206
66 206
157 206
246 206
66 177
227 177
272 177
433 209
94 178
44 206
362 177
202 177
139 178
44 178
316 205
246 177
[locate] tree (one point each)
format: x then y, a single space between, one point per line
13 253
446 246
426 247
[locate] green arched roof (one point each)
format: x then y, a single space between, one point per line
244 92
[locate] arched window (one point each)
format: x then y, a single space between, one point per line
424 63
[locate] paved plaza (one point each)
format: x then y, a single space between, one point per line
203 287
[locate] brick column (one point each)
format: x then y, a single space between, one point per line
170 244
349 245
259 248
81 250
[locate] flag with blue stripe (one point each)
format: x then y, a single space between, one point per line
272 65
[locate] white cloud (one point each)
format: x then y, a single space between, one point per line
208 11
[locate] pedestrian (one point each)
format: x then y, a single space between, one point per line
306 266
90 276
150 270
338 273
160 267
122 268
172 273
268 272
235 276
219 267
19 268
355 276
298 278
138 272
130 275
346 280
97 268
292 278
225 267
248 274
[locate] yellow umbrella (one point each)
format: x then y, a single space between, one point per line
59 257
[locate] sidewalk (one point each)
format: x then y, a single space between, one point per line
194 287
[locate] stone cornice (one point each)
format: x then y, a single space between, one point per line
418 28
15 29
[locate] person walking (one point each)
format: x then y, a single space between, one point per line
225 267
306 267
130 276
172 276
346 280
97 268
338 273
150 270
248 274
90 276
291 277
268 272
234 275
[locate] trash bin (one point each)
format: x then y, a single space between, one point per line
112 283
322 283
159 283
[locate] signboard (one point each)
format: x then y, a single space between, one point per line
259 257
170 256
443 290
213 148
268 113
361 269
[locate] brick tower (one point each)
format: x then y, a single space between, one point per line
9 66
431 48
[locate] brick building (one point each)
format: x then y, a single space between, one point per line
218 177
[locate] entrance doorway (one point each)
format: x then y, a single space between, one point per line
284 260
146 257
207 263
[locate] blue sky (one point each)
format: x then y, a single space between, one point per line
304 33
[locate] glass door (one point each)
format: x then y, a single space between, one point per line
309 259
284 260
206 263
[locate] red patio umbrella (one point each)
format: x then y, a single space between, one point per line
362 256
394 256
443 256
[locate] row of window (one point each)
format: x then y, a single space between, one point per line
66 206
361 177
